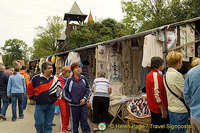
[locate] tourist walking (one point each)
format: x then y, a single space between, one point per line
44 89
16 89
63 104
25 74
3 92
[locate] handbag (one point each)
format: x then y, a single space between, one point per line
180 98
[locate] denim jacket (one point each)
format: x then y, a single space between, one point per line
192 91
16 84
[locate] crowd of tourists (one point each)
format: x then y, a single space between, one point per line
70 91
173 100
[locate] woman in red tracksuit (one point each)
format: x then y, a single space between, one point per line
63 104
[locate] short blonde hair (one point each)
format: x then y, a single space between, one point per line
173 58
195 62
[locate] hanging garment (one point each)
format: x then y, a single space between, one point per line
59 64
72 57
187 34
190 38
151 48
171 38
101 53
42 60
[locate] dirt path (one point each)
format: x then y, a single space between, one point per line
26 125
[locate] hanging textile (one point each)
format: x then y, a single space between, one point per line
59 64
114 62
73 57
126 67
101 53
151 48
171 38
187 34
42 60
101 59
53 59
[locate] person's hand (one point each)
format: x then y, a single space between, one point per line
82 102
164 114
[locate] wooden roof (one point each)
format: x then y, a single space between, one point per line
75 14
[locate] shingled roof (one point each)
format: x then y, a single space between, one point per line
75 14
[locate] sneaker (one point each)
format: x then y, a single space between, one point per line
3 117
68 128
95 130
13 120
21 117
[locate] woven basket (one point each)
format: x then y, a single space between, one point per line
146 119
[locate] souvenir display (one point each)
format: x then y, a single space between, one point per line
139 107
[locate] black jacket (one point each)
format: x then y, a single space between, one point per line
3 82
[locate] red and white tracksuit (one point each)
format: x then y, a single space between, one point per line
64 107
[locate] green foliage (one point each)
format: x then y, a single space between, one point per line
45 42
147 14
14 49
94 32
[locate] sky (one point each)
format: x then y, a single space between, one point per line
19 18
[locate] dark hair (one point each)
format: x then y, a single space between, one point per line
156 62
45 65
17 68
23 68
74 65
28 70
8 67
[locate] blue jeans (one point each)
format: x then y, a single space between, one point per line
5 104
178 119
44 114
24 101
14 98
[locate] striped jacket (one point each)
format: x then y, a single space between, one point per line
44 91
156 94
74 91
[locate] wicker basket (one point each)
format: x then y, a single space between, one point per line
146 119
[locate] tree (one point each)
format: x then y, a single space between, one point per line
147 14
14 49
45 42
94 32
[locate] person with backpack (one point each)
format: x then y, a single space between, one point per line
77 91
25 74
